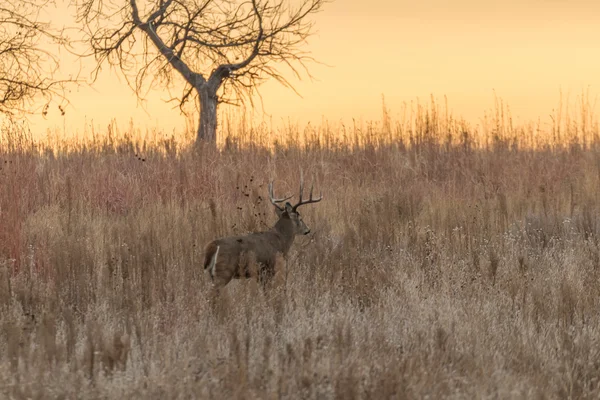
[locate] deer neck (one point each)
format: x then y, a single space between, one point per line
285 229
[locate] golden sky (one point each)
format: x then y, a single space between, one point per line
523 51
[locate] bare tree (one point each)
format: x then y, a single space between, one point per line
241 43
27 66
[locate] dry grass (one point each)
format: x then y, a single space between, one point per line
436 269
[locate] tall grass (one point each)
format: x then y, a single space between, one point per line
447 261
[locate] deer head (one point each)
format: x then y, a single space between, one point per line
289 217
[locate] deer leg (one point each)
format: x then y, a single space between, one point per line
221 274
265 275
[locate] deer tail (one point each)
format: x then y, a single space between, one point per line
210 259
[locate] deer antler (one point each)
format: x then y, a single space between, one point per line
274 201
310 200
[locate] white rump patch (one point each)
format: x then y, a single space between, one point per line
213 263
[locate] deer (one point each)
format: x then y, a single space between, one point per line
237 257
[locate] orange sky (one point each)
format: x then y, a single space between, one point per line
523 51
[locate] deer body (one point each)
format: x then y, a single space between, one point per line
245 256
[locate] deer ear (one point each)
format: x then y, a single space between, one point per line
279 211
288 208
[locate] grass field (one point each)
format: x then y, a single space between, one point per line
445 262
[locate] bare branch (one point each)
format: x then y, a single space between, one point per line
27 66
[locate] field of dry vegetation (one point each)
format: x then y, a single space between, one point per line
446 261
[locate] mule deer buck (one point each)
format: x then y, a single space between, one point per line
256 253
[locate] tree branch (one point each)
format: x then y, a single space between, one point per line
27 66
225 70
190 76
